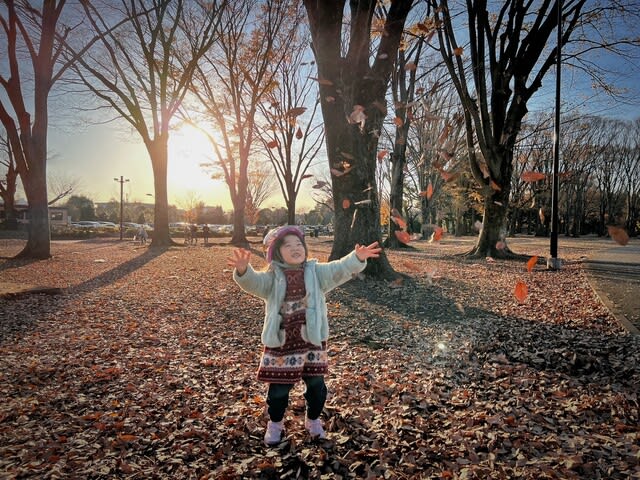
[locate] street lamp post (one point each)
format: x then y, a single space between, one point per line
554 263
122 181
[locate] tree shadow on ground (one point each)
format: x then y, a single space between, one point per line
418 319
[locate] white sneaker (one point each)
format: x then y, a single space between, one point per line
314 427
273 435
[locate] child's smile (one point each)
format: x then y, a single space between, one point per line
292 250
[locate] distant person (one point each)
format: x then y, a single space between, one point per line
205 234
194 234
296 326
187 235
142 235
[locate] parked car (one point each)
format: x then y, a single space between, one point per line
86 224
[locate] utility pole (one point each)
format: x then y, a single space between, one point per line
554 263
122 181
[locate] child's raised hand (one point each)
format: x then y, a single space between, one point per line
370 251
240 260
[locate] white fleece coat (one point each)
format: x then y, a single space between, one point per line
319 278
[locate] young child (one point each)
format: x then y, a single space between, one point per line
296 327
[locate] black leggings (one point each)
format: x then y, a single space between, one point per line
315 394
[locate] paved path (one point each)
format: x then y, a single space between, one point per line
614 273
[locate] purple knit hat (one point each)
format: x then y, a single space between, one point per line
272 237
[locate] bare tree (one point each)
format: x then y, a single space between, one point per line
61 185
261 185
236 76
509 55
27 82
147 56
9 183
353 85
291 136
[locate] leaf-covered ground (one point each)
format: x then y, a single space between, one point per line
144 368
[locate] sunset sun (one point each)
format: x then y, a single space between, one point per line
189 150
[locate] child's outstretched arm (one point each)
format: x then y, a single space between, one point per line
239 260
370 251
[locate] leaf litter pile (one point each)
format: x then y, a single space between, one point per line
144 367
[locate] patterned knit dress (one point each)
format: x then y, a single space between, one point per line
297 358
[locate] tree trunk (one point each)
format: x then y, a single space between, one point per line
39 243
352 94
35 186
492 227
159 157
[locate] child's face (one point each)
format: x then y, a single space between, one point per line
292 250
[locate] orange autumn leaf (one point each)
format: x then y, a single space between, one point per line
295 111
272 144
299 133
382 154
127 438
532 263
495 186
346 203
532 176
521 291
398 121
399 221
457 51
618 235
429 191
403 236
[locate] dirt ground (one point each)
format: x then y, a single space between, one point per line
140 363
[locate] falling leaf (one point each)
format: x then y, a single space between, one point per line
397 219
306 176
320 184
447 176
346 203
272 144
532 176
444 134
618 235
299 133
403 236
382 154
296 111
429 191
541 215
495 186
322 81
521 291
457 51
500 245
532 263
410 66
357 115
330 99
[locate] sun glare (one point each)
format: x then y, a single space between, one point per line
189 149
